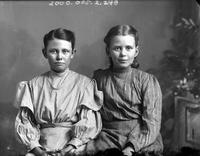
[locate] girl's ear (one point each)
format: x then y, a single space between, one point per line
73 53
44 52
136 51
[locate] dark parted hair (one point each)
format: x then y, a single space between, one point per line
59 33
122 30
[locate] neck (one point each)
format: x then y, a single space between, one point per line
121 70
59 74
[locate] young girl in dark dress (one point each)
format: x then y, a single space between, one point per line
131 113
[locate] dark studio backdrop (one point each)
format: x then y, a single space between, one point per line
23 24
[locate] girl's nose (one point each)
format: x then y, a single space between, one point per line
59 56
123 52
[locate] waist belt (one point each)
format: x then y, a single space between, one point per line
53 137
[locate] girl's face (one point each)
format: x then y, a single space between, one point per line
122 51
59 54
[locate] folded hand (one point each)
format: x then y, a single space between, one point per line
128 151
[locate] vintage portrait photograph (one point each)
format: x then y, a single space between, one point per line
100 78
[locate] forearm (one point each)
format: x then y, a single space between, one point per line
87 128
148 127
26 132
140 138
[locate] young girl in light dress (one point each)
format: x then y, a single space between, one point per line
59 109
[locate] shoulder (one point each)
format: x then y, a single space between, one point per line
38 80
100 73
80 78
144 77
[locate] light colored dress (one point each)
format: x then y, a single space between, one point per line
131 113
56 110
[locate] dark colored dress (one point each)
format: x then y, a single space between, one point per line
131 113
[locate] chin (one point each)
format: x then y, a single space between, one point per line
59 70
123 67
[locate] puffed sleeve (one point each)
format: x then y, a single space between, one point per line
89 124
26 129
146 133
23 96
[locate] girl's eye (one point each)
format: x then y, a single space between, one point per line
117 48
52 51
65 51
129 48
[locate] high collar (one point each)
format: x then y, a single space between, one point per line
121 73
55 74
56 80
